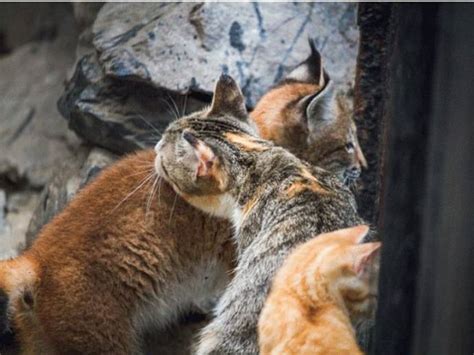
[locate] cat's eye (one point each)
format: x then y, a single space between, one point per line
350 147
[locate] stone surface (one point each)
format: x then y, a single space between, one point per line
18 209
25 22
33 136
69 178
117 115
185 46
146 70
3 207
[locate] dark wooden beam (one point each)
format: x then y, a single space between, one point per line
407 119
445 288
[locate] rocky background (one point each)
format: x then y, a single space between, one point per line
82 84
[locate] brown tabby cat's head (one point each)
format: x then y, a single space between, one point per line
305 115
350 270
201 155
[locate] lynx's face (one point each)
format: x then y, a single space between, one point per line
333 144
305 115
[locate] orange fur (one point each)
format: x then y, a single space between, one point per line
96 266
315 295
281 117
275 119
245 142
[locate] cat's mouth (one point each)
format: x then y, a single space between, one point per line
160 168
163 172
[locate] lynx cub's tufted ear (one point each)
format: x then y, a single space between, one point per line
310 71
228 99
317 106
205 157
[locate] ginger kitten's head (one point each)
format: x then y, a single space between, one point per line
201 155
348 269
305 115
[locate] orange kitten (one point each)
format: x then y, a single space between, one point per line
323 285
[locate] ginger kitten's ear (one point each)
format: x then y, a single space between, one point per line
365 256
228 99
353 234
206 160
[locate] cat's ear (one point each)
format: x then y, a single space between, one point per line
354 234
365 256
311 70
319 107
228 99
206 160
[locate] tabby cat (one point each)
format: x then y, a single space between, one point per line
304 114
215 161
321 286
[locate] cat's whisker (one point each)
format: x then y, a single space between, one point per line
176 110
147 171
159 189
143 182
149 124
170 109
184 105
150 196
172 208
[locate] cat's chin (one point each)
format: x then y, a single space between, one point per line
222 205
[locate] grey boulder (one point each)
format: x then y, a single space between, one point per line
152 62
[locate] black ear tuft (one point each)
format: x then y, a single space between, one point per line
311 70
228 99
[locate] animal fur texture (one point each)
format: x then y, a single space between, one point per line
126 256
306 115
323 285
215 161
133 230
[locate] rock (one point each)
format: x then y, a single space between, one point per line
19 208
3 207
119 116
69 178
33 136
143 75
45 21
254 42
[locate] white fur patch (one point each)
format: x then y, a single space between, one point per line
201 289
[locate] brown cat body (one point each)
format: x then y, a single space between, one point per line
322 286
121 259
